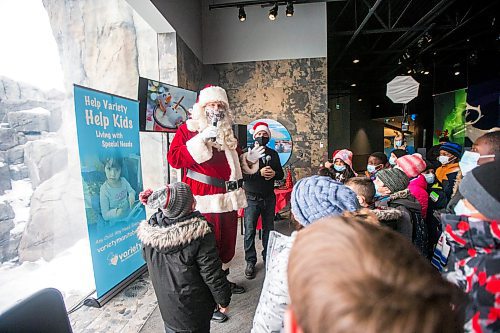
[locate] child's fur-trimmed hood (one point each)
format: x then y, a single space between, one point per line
387 214
173 235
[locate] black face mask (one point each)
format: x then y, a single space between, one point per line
262 140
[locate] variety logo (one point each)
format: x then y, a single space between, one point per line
114 258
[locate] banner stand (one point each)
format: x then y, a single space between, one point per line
99 302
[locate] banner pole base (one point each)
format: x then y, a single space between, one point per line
99 302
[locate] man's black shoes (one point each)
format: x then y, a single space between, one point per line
250 271
235 289
219 317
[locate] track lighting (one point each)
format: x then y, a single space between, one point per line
273 12
406 55
289 9
241 14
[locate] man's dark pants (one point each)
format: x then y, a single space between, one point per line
258 205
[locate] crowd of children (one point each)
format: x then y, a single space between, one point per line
360 260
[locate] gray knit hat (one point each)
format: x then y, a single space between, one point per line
394 179
481 189
175 200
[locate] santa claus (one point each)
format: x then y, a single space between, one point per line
206 148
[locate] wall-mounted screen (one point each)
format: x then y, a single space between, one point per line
163 107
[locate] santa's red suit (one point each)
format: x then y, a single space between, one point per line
190 152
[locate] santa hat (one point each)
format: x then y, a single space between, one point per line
210 94
412 165
260 126
345 155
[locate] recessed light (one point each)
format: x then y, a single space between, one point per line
360 100
355 61
426 73
377 106
457 73
353 85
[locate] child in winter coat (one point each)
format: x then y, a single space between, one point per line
365 192
341 168
413 165
391 187
312 199
473 233
180 251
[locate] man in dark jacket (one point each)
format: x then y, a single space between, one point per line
180 251
259 188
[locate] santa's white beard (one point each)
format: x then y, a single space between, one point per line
225 136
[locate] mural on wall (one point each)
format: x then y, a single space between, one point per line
292 92
464 115
280 140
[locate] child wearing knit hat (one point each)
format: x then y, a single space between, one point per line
413 166
474 236
446 174
312 199
180 251
392 191
341 168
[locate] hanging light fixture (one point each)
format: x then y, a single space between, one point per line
289 9
273 12
242 16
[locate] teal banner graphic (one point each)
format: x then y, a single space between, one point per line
108 142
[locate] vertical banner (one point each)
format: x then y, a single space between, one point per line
108 141
449 116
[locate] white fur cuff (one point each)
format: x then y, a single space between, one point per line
246 167
221 203
198 149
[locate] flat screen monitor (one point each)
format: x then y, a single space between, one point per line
163 107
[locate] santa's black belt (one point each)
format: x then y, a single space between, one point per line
231 185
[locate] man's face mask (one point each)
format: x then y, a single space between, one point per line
262 140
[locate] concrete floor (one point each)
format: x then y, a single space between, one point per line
242 307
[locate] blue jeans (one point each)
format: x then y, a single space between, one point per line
263 206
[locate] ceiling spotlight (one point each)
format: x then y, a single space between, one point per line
377 106
355 61
289 9
406 55
426 73
399 61
360 100
273 12
353 85
241 14
457 73
409 71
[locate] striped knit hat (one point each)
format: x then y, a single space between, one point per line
394 179
175 200
412 165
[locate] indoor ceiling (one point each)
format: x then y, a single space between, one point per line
444 44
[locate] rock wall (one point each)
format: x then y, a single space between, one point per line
293 92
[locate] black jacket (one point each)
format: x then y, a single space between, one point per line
256 184
185 269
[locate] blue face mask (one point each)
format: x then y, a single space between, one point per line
429 178
461 209
339 168
377 193
371 168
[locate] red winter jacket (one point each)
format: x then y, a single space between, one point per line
418 188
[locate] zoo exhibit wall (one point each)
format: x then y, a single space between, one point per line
43 234
465 114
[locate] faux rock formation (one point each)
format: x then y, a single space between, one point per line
44 157
15 155
57 219
19 171
34 120
5 183
8 138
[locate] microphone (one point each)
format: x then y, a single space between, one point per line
268 159
215 121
